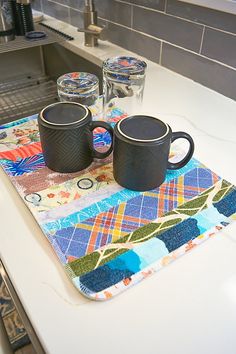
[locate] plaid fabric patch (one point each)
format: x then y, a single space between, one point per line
109 226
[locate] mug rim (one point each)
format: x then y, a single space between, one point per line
143 140
63 124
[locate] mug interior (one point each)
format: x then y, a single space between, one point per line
143 128
64 113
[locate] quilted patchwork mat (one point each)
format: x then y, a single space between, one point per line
106 237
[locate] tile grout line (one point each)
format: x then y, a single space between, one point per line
183 18
220 30
123 2
200 55
115 23
203 33
161 12
165 8
58 3
187 20
173 44
132 16
164 41
168 14
69 16
41 5
160 55
72 8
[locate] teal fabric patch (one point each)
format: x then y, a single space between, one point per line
107 203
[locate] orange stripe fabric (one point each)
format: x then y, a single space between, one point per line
22 152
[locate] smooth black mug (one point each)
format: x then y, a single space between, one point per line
66 133
141 152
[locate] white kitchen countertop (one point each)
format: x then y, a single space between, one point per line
189 307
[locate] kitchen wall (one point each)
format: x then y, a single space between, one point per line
195 41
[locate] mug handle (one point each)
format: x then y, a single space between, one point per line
95 124
181 163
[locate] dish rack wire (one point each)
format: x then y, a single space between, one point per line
25 96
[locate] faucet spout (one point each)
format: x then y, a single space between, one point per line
91 29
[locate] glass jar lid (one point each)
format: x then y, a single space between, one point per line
125 65
77 81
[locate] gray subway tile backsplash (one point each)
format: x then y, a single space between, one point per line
135 42
220 46
204 15
37 5
213 75
76 18
77 4
114 11
171 29
197 34
56 10
153 4
63 2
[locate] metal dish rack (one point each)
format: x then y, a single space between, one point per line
20 42
25 97
27 94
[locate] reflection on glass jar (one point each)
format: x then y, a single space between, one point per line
123 85
80 87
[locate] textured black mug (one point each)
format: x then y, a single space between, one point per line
141 152
66 133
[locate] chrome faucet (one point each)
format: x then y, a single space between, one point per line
91 29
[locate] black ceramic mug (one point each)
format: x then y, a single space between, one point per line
66 133
141 152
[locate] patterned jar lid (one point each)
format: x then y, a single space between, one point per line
125 65
77 81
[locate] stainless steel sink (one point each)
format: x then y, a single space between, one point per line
28 78
27 84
